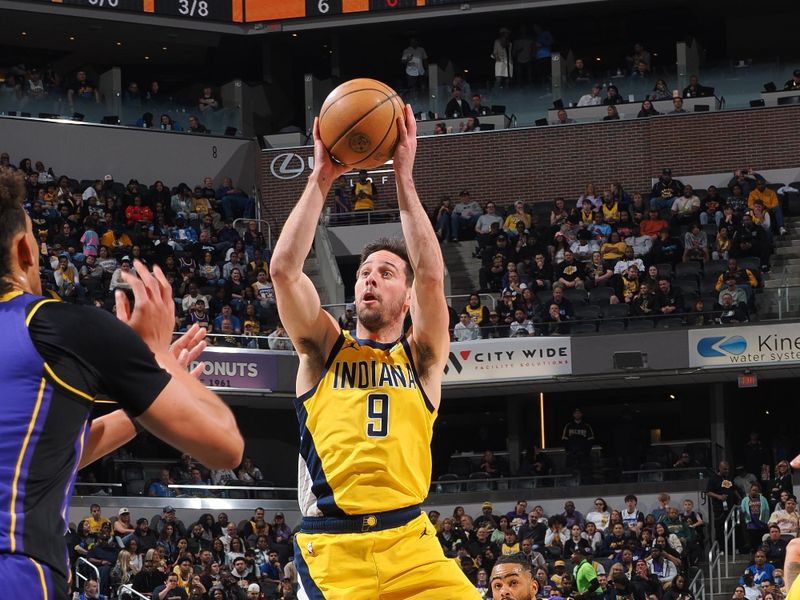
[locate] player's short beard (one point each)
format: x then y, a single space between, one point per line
375 319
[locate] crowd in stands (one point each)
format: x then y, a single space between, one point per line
671 256
163 557
30 91
93 231
637 554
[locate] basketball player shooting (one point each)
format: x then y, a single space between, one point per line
366 402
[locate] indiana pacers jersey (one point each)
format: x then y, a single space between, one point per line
365 432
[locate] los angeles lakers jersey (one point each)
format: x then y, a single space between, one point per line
365 432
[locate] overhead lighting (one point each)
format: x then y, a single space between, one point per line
597 59
119 43
24 33
72 38
672 396
294 35
147 58
163 47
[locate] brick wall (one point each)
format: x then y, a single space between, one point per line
539 164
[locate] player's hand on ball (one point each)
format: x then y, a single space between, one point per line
153 316
325 167
406 148
189 347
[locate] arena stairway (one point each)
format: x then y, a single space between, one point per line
311 268
462 266
784 270
724 589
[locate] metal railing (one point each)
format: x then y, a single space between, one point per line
698 585
80 578
730 526
127 591
262 342
486 299
481 484
714 559
360 217
260 222
233 491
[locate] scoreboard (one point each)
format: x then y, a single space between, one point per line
198 10
251 11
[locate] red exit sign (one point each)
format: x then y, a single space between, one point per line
748 380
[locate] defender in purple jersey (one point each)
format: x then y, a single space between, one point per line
55 358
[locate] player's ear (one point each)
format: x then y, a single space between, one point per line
27 256
534 587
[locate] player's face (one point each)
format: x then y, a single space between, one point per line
381 292
511 582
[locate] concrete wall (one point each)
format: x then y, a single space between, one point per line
348 241
88 151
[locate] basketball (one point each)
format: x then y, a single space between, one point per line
358 123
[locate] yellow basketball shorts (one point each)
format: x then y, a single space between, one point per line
403 563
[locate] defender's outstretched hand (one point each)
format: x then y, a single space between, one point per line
325 167
153 316
189 347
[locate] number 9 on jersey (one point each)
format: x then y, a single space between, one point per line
377 415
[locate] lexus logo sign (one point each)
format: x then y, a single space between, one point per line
289 165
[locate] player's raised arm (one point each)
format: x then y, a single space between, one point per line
312 329
428 306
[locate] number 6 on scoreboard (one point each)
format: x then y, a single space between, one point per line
320 8
377 415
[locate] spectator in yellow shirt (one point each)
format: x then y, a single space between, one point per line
519 215
116 240
770 200
96 520
364 192
510 544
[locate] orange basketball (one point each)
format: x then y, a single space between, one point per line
358 123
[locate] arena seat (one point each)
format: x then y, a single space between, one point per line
640 324
616 311
611 326
581 328
669 323
600 296
688 269
449 488
478 485
588 312
135 487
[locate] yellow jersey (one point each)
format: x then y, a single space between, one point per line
794 591
364 202
365 432
610 213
